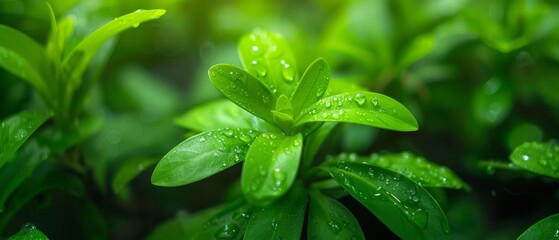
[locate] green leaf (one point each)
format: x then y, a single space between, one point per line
29 232
270 167
59 140
544 229
267 56
281 220
202 155
23 57
15 130
367 108
329 219
338 86
314 141
129 170
183 226
312 87
403 206
76 62
492 102
417 49
537 157
416 168
244 90
220 114
229 223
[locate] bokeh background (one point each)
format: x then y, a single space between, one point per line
481 77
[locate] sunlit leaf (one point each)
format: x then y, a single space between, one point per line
244 90
230 223
267 56
403 206
367 108
313 85
329 219
538 157
15 130
546 228
202 155
270 167
129 170
280 220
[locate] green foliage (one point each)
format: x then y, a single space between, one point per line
546 228
29 232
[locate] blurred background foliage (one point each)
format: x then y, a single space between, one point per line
481 77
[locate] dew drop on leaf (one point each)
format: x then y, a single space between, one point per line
28 227
228 231
320 92
360 99
260 70
375 102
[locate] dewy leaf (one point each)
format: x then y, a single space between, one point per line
29 232
183 227
416 168
313 85
202 155
270 167
220 114
129 170
230 223
546 228
538 157
15 130
329 219
23 57
403 206
244 90
281 220
367 108
76 62
267 56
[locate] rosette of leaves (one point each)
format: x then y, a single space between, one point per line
274 121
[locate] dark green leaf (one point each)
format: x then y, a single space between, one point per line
220 114
314 141
546 228
129 170
270 167
244 90
58 139
365 108
267 56
29 232
538 157
23 57
329 219
183 227
282 219
230 223
312 87
78 59
15 130
402 205
202 155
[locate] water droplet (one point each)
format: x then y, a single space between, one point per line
260 70
327 104
20 135
28 227
416 214
360 99
202 139
381 177
228 231
274 224
334 226
525 157
228 132
136 24
287 71
375 102
320 92
255 50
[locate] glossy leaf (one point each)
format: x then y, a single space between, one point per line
244 90
129 170
314 141
29 232
267 56
202 155
546 228
365 108
416 168
76 62
282 219
538 157
183 227
15 130
329 219
270 167
403 206
313 85
223 114
230 223
23 57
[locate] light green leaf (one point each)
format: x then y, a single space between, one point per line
15 130
23 57
281 220
183 227
76 62
338 86
537 157
312 87
230 223
367 108
129 170
29 232
547 228
416 168
202 155
329 219
417 49
267 56
270 167
244 90
403 206
220 114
